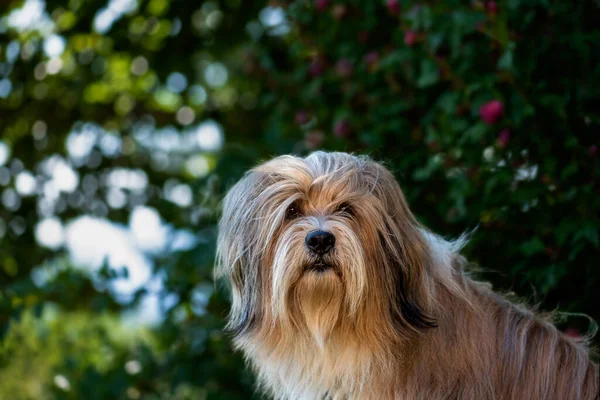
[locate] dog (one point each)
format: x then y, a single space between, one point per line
339 293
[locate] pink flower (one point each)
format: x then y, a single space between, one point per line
342 128
492 7
302 117
410 38
372 58
321 5
593 150
393 6
344 67
503 138
491 111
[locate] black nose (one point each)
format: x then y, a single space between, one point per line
320 242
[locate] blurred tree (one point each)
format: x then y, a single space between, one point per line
140 112
115 112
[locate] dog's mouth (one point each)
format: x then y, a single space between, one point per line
320 267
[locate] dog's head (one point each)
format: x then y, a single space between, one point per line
309 244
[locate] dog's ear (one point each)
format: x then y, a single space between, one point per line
409 303
405 254
238 252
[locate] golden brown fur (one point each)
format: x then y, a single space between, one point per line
395 317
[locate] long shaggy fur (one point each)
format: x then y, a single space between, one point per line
395 317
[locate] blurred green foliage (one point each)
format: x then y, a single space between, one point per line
486 111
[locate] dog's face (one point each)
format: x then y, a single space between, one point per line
312 244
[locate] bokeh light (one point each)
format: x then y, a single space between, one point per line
216 75
49 233
25 183
209 136
4 153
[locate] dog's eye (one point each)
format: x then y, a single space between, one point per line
293 211
345 208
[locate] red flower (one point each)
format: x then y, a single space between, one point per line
492 7
321 5
410 38
393 6
491 111
342 128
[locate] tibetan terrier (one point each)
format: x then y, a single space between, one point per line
339 293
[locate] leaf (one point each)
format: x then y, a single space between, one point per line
429 75
474 134
588 233
533 246
568 171
394 60
448 102
506 61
